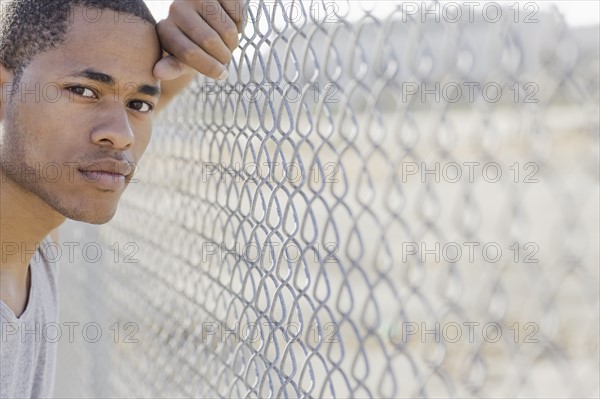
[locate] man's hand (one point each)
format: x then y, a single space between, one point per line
199 35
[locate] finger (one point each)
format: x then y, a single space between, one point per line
236 11
187 52
204 35
169 68
208 13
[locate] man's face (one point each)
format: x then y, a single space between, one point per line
78 107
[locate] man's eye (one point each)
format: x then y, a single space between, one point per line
82 91
141 106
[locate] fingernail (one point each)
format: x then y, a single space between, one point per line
224 75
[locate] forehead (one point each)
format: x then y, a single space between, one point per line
107 41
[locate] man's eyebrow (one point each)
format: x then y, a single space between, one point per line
149 90
94 75
106 79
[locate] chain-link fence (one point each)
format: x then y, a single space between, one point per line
379 202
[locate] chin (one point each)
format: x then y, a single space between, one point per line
90 215
95 217
97 220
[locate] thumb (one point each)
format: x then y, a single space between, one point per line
169 68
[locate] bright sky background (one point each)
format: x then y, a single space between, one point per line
576 13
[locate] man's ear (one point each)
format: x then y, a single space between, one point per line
6 79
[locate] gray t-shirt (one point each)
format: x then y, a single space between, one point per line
28 343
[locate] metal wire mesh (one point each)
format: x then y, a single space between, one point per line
372 206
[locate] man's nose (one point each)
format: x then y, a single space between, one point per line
113 130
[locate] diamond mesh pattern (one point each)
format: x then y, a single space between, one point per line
286 246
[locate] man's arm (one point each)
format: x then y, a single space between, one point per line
199 36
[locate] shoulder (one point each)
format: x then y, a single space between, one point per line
50 251
46 263
54 236
49 246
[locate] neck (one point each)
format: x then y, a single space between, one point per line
25 221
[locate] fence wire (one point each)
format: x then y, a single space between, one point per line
372 205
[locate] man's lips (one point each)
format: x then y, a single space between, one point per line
105 180
107 174
94 175
108 166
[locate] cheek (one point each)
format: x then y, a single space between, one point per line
46 130
16 134
11 138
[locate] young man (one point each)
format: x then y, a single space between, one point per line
81 82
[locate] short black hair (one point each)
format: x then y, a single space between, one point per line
30 27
